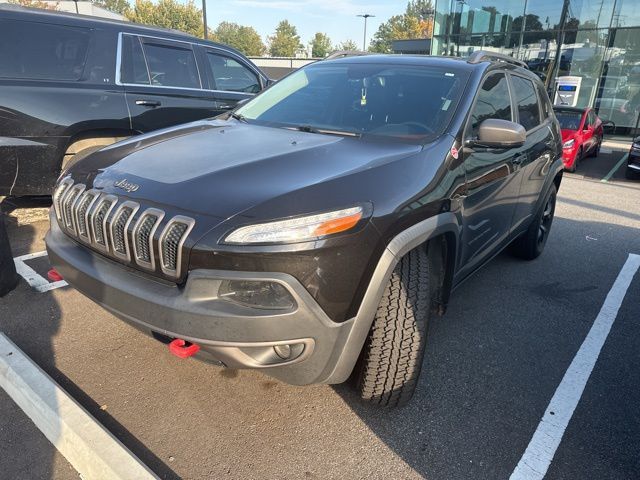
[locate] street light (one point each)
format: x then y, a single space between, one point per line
364 42
204 17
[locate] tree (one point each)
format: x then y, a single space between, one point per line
185 17
116 6
398 27
35 4
320 45
416 22
245 39
285 41
347 45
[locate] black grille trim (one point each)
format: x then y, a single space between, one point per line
58 195
81 214
98 221
143 251
67 204
172 239
119 227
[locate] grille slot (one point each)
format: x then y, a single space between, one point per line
99 221
84 204
171 241
119 228
67 203
58 195
143 234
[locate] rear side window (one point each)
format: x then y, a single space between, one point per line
527 102
171 65
133 68
493 102
33 50
232 76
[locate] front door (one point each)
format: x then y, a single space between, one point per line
162 83
493 184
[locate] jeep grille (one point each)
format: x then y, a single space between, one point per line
114 227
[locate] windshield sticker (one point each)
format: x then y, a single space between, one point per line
454 152
363 98
445 105
449 74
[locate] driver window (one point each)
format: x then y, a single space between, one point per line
493 101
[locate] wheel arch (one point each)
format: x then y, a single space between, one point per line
95 137
441 233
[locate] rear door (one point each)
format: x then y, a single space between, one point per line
230 77
162 82
493 185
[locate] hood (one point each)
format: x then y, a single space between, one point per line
220 169
568 134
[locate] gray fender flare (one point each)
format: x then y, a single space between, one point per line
349 351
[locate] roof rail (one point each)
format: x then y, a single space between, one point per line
345 53
484 56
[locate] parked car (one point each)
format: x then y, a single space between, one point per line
314 231
633 161
582 133
74 84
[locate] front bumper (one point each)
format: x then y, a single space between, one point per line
238 338
633 162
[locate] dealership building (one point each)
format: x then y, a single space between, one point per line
586 51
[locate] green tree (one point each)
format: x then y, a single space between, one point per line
35 4
245 39
116 6
415 22
348 45
320 45
185 17
285 41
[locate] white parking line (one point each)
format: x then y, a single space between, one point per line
91 449
608 176
36 281
536 459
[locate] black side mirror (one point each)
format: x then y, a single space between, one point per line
608 126
497 133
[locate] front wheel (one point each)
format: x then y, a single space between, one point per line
390 363
531 244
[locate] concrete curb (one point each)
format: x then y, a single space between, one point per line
92 450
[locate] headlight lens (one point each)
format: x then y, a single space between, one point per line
298 229
266 295
568 143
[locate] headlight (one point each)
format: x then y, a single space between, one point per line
568 143
266 295
300 229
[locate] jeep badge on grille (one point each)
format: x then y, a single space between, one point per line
126 186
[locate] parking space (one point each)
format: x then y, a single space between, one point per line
493 364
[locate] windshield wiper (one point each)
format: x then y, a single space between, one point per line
327 131
238 116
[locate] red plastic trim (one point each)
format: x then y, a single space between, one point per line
53 275
179 348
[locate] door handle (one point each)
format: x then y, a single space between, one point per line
148 103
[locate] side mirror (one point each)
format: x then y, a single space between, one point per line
497 133
608 126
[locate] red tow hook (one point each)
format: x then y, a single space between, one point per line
53 275
183 349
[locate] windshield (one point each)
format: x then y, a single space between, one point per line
407 102
569 120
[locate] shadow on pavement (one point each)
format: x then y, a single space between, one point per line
495 358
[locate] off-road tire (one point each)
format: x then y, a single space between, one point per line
391 360
530 244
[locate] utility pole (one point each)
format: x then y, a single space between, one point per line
364 42
204 17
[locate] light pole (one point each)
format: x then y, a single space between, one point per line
364 42
204 17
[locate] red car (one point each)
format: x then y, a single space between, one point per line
582 133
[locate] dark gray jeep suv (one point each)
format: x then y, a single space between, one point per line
312 232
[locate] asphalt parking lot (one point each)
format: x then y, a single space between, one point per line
492 366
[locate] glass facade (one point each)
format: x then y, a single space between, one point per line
597 41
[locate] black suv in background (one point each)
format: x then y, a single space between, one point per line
71 84
318 227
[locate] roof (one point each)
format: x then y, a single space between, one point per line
419 60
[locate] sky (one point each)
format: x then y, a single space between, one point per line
336 18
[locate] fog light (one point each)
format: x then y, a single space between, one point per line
257 294
283 351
